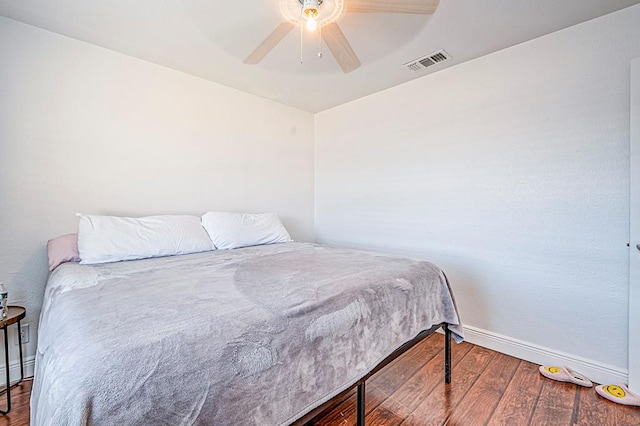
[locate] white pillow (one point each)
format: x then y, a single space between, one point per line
104 239
233 230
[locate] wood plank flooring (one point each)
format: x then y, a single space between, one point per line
487 388
19 414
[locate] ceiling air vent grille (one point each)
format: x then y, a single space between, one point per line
427 61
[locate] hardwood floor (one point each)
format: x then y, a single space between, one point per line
19 414
487 388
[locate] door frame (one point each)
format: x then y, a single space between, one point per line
634 231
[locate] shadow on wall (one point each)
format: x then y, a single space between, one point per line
466 280
26 288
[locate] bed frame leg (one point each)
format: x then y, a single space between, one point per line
361 404
447 354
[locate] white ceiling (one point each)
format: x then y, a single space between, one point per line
210 39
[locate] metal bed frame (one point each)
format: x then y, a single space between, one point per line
308 419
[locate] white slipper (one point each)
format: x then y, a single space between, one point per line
565 374
618 393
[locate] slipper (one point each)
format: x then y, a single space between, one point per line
618 393
565 374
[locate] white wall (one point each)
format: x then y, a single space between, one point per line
84 129
512 173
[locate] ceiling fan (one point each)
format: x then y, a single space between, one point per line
323 14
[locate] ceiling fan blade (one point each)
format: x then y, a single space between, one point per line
340 47
269 43
425 7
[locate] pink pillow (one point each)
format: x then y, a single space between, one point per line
63 249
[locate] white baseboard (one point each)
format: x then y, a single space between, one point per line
14 369
598 372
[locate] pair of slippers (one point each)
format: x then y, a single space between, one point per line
617 393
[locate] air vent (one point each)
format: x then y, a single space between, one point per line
426 61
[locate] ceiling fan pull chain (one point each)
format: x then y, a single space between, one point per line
320 42
301 37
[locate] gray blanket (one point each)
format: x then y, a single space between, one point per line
258 335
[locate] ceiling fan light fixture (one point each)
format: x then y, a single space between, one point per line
310 9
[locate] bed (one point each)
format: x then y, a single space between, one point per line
260 335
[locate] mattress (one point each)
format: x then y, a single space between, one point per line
258 335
